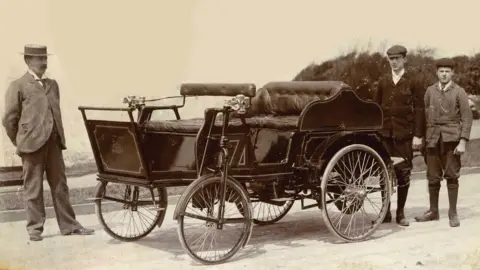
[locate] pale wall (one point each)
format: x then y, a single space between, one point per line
106 49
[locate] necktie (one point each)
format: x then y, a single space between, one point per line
42 82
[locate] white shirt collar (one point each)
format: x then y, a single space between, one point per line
35 75
396 77
446 86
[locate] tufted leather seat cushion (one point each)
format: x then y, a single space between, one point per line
290 98
277 105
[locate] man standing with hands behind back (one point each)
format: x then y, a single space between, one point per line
449 122
33 123
401 99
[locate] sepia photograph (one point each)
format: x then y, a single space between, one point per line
247 134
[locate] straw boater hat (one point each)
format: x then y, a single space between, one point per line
35 50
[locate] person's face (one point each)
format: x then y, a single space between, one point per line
397 61
444 74
38 64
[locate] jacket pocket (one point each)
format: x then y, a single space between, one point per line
25 127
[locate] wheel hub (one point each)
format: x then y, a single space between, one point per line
359 193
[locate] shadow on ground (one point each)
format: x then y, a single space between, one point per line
293 231
464 213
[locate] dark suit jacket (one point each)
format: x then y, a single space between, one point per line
403 106
30 111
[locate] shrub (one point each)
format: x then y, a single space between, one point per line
361 69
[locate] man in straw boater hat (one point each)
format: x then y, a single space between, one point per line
33 122
401 99
449 121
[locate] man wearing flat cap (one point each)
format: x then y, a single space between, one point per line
449 121
33 122
401 99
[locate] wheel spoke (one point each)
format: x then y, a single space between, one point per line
359 172
127 218
207 239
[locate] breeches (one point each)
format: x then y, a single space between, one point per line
443 163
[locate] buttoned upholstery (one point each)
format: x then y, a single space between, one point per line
290 98
277 105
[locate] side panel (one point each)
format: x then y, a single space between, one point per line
335 142
271 146
239 150
261 151
345 111
116 148
169 151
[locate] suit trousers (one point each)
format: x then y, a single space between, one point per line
48 159
402 149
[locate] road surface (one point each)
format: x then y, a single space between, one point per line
299 241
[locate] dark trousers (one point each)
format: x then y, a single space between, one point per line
403 171
48 159
443 163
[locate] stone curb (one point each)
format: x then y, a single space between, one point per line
80 209
11 203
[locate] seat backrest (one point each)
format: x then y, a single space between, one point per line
217 89
291 97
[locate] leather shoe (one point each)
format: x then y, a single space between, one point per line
82 231
401 220
35 237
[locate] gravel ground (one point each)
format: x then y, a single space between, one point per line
299 241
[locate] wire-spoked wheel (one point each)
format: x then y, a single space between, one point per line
207 239
127 212
354 185
266 213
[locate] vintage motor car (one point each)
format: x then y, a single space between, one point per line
243 163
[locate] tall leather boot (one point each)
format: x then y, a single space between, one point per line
432 213
401 200
452 199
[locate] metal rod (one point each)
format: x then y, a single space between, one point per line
104 108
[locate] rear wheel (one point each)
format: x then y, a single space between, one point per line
127 212
198 228
353 187
265 213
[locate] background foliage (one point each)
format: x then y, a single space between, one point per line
361 69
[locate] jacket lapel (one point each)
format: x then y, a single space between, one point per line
47 85
31 79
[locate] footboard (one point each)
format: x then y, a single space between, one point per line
116 145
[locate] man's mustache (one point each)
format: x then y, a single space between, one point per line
43 67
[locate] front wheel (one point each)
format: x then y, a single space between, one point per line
354 185
198 222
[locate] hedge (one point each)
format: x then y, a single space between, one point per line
361 69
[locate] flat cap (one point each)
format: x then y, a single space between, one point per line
397 49
445 62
